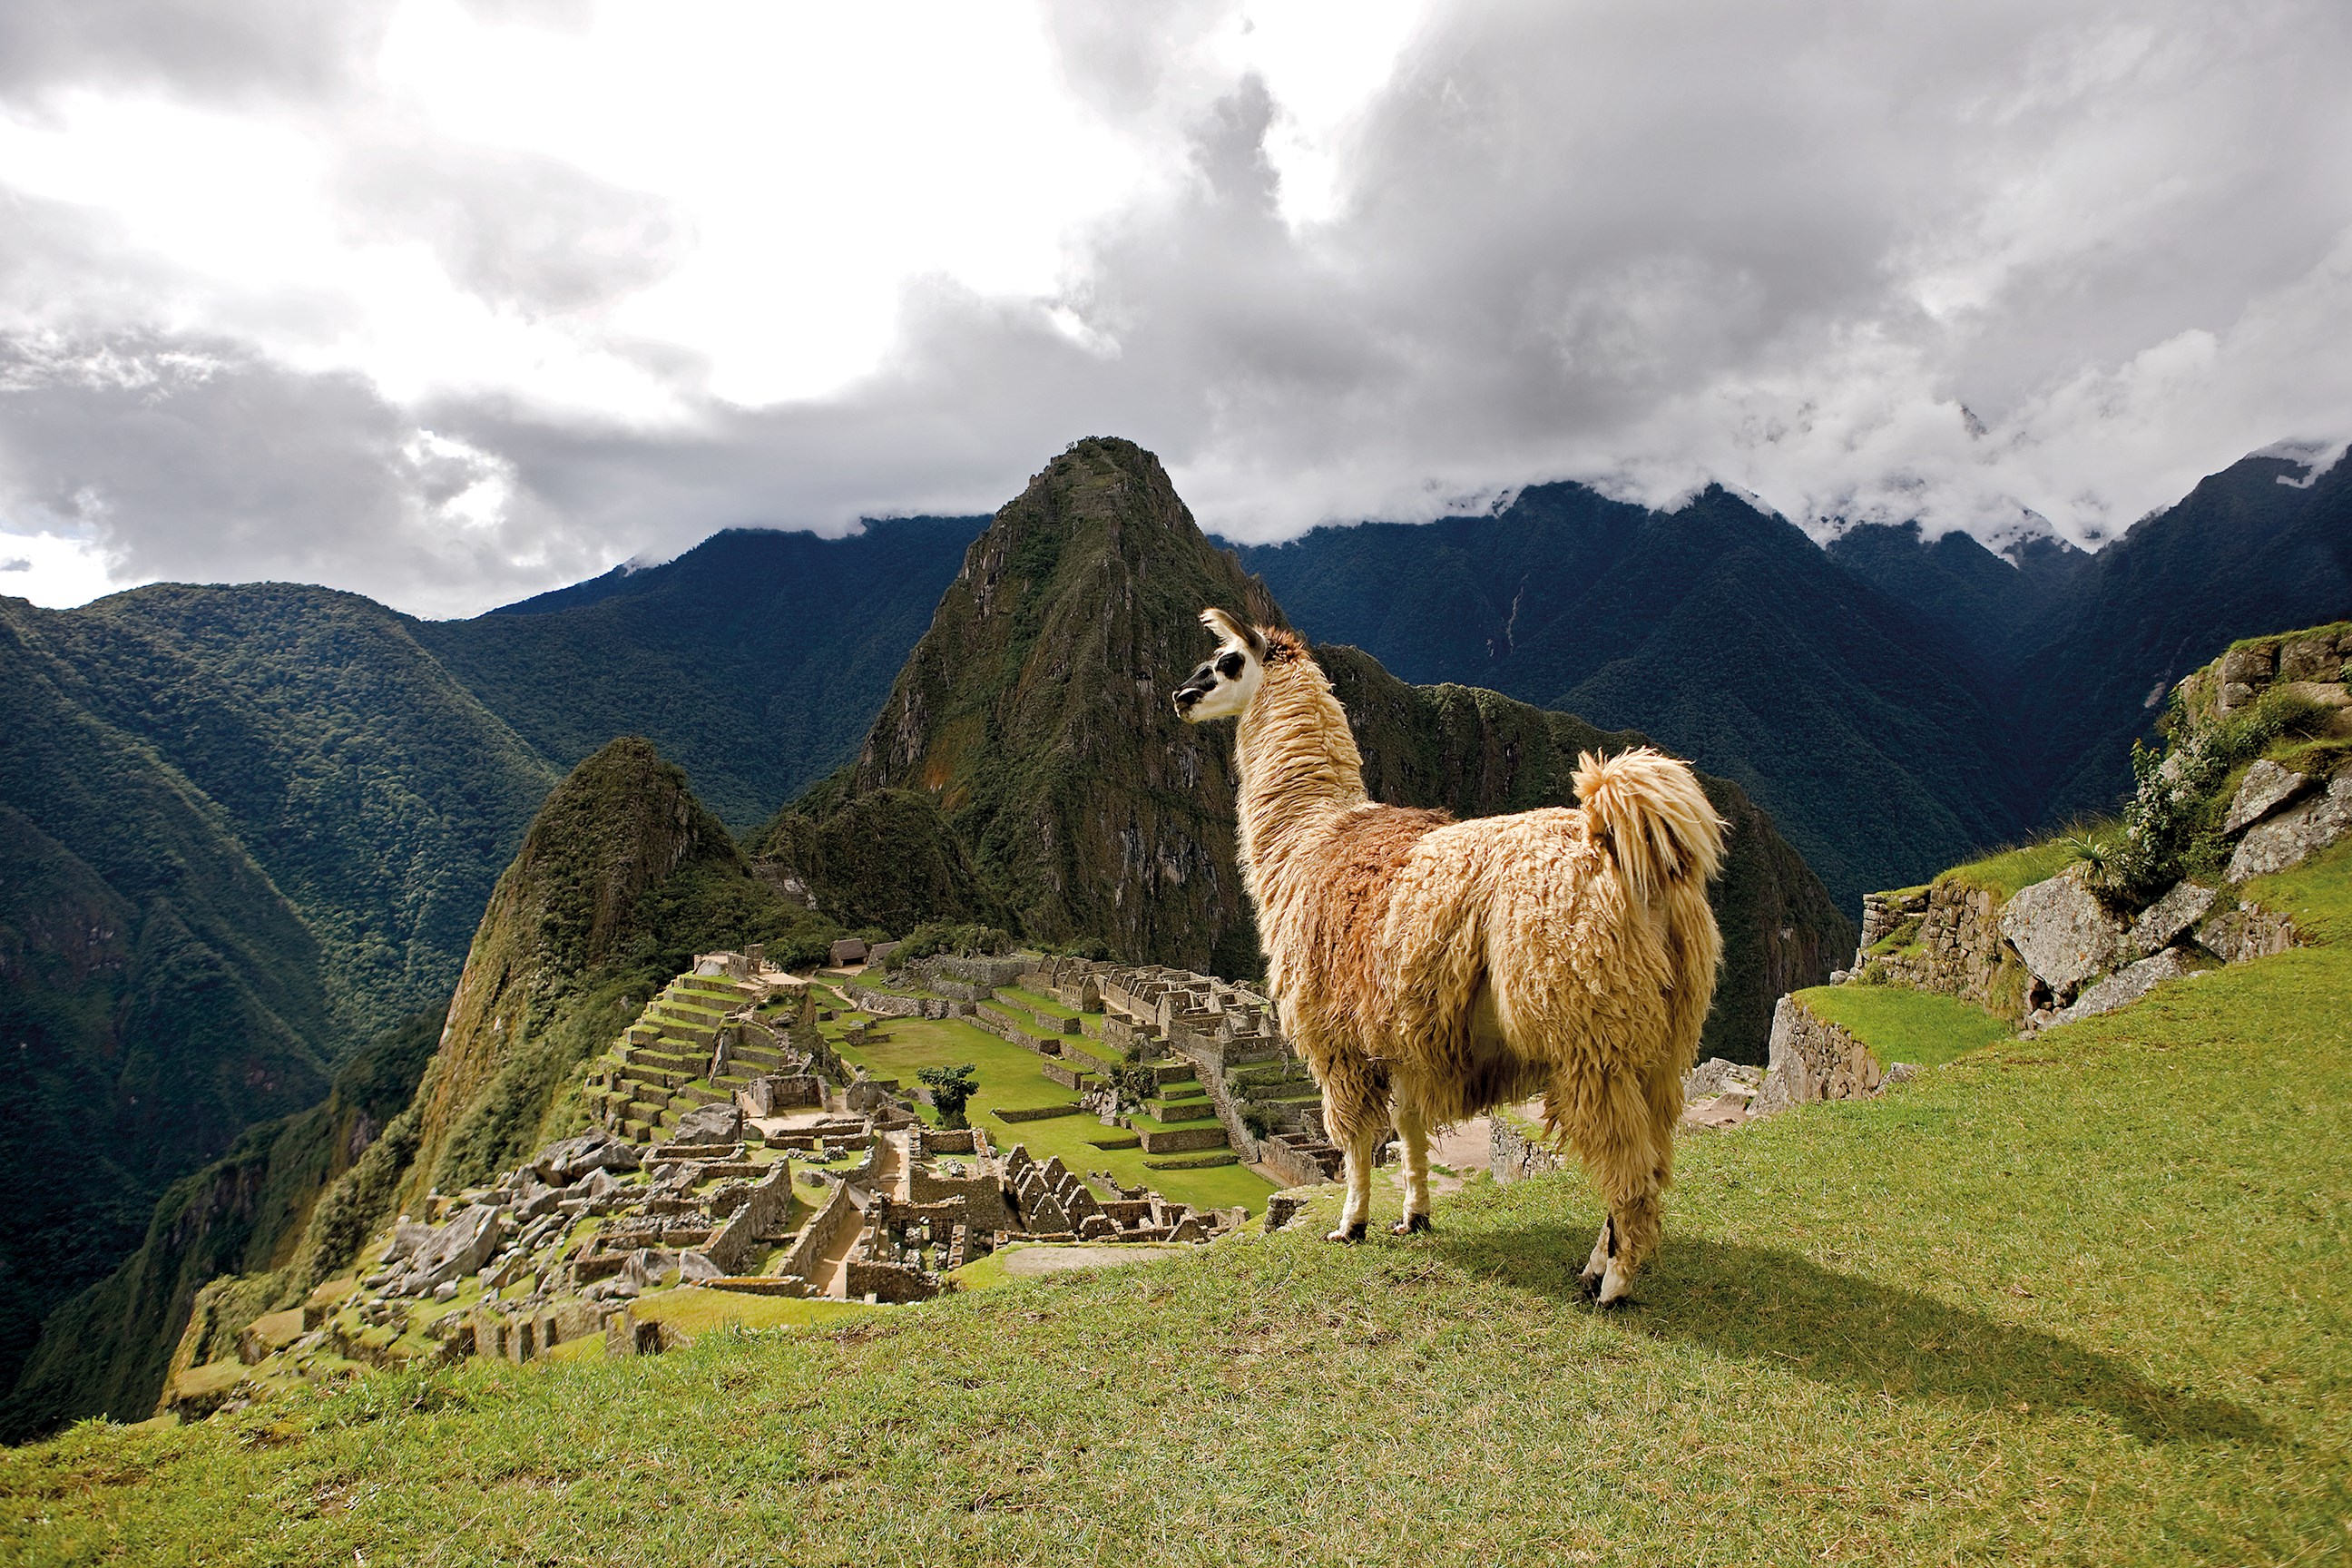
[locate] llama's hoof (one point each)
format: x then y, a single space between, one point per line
1348 1233
1409 1223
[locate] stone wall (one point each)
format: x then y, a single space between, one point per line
765 1207
1813 1059
839 1212
1954 945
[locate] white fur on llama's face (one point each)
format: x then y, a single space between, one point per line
1221 687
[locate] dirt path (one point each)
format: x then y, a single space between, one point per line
1029 1261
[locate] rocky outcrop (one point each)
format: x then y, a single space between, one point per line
2161 923
2295 835
2267 786
2062 932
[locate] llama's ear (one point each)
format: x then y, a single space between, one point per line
1228 629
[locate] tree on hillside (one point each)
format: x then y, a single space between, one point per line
951 1090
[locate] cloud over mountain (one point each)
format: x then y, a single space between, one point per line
447 304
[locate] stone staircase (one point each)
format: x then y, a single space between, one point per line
660 1067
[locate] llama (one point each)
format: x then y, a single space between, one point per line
1431 970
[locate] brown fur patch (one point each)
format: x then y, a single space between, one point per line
1281 647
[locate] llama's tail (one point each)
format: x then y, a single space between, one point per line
1649 810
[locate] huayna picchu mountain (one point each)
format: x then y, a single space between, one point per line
1035 714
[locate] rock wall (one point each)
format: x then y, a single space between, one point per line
1955 946
1811 1059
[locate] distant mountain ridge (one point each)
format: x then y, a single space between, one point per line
1896 702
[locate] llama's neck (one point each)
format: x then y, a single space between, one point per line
1300 770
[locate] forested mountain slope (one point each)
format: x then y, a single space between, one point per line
1896 702
755 661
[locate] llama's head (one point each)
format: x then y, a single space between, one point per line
1224 684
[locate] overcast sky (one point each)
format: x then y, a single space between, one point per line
448 301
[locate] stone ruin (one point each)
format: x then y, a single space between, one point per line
732 1150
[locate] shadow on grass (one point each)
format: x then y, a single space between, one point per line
1756 1304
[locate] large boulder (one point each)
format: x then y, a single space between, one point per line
2062 932
2295 835
2160 925
561 1165
2266 787
456 1248
722 1123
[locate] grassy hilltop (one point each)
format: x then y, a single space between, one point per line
2080 1298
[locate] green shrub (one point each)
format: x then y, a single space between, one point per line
2170 824
951 1090
933 938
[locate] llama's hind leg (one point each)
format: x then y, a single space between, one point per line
1412 1131
1355 1213
1629 1159
1356 1116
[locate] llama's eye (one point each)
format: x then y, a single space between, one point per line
1230 667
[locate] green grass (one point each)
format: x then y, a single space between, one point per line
1900 1024
1012 1078
1042 1005
2003 874
2087 1298
692 1310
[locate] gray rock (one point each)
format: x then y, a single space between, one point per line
561 1164
445 1291
2310 659
2267 787
1787 1078
2295 835
2247 932
693 1267
2062 932
1899 1072
1716 1075
2128 985
459 1247
721 1123
2161 923
406 1237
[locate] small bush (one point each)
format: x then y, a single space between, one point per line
2169 823
951 1090
933 938
1258 1120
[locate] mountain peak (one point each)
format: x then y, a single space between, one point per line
1034 710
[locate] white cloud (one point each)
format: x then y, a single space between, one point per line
448 302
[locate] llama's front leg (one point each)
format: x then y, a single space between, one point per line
1355 1214
1412 1130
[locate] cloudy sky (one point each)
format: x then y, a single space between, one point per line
451 300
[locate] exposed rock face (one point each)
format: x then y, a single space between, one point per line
2160 925
2295 835
2246 931
1813 1060
2128 985
2062 932
455 1248
2267 786
710 1124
